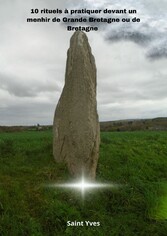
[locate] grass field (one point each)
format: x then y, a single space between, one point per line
135 160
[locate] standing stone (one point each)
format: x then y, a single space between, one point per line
76 127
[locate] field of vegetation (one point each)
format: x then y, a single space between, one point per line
135 160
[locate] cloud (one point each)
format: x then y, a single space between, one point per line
27 114
27 86
127 33
129 85
158 49
33 58
151 28
139 110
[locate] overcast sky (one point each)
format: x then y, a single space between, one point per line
131 60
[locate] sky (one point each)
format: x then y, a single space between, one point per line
131 60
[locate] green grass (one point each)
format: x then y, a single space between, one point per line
135 160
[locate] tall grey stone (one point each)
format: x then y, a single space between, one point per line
76 132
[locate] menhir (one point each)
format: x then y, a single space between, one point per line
76 126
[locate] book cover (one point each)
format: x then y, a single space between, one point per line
122 52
